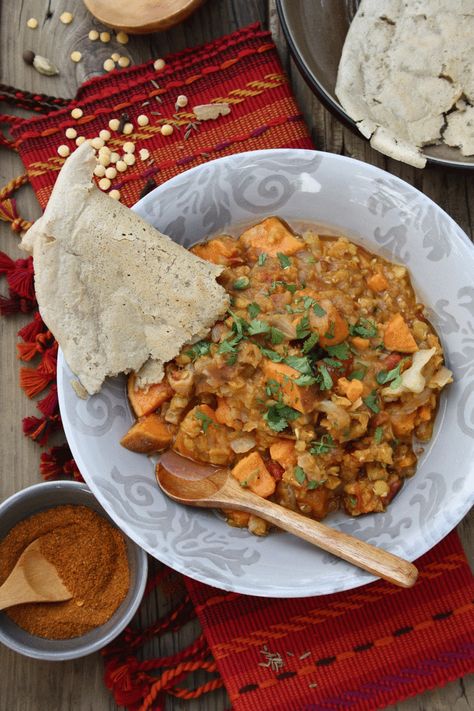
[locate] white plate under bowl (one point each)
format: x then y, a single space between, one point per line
383 214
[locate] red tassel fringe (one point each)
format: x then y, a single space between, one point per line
58 462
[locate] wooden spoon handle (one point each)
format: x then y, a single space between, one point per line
375 560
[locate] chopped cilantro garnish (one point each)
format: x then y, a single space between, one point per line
330 332
341 351
310 343
272 355
333 363
272 388
305 379
241 283
239 325
229 346
276 336
279 415
364 328
302 328
322 446
372 401
256 327
378 435
205 420
300 476
261 259
313 484
359 373
198 349
391 376
308 301
299 363
289 287
325 380
285 261
318 310
253 309
352 501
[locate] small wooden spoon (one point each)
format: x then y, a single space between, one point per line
188 482
33 579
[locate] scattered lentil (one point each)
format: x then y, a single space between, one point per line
115 56
28 56
123 61
32 23
143 120
129 159
105 37
114 124
93 35
115 194
111 173
66 18
122 37
159 64
108 65
114 157
71 132
182 101
80 140
91 558
99 171
63 151
77 113
129 147
97 143
144 153
105 135
76 56
104 159
104 183
121 166
128 129
167 129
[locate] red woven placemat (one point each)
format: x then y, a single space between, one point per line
361 649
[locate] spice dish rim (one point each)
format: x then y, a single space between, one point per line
20 641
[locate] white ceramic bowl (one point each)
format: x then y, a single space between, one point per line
43 496
383 214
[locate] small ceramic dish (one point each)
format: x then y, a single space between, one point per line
38 498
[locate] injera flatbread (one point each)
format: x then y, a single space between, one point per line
116 293
406 74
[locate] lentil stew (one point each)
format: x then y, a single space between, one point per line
314 387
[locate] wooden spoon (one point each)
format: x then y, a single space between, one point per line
188 482
142 16
33 579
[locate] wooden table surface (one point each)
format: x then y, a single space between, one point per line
29 685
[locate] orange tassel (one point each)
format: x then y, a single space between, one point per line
26 351
33 382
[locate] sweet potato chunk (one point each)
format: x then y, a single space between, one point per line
150 434
403 424
300 397
223 414
283 452
398 337
239 519
201 437
377 282
361 344
221 250
252 473
145 401
330 325
271 236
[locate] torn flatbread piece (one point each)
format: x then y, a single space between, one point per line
116 293
405 66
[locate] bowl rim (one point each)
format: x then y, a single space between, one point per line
82 650
334 107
